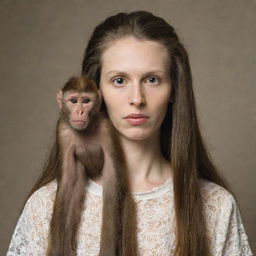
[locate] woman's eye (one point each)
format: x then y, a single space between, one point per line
152 80
118 81
73 101
86 101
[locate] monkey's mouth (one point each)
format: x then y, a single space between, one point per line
78 122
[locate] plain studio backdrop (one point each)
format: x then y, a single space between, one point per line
42 45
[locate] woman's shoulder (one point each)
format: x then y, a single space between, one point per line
212 191
45 195
30 234
224 221
216 198
46 190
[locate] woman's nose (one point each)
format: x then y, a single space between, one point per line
137 97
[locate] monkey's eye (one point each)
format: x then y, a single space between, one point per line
73 100
86 101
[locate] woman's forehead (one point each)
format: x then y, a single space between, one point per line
131 53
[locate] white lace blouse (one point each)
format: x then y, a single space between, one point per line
156 222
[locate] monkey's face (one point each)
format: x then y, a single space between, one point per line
77 108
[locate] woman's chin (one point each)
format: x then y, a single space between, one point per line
136 136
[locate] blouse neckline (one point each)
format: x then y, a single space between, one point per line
157 191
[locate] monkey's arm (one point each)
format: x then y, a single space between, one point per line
65 135
70 195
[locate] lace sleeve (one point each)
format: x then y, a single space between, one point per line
231 238
31 231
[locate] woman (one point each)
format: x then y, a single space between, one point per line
184 207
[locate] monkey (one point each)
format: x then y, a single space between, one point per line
81 125
88 147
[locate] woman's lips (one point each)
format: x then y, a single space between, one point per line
136 119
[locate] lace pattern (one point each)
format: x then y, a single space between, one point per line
156 222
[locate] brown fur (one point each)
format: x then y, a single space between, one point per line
91 152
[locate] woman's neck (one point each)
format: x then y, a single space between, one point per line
145 162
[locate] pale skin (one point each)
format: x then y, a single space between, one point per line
135 79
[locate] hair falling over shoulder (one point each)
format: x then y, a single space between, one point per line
181 141
67 207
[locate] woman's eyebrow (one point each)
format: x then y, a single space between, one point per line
155 72
119 72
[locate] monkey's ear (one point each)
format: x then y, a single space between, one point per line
59 98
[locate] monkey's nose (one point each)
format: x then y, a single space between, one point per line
80 112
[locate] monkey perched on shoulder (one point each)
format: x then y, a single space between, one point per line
88 147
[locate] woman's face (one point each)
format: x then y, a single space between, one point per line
135 80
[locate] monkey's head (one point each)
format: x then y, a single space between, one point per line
79 101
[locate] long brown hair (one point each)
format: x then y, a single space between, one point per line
181 140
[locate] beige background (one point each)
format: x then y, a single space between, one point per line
42 44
